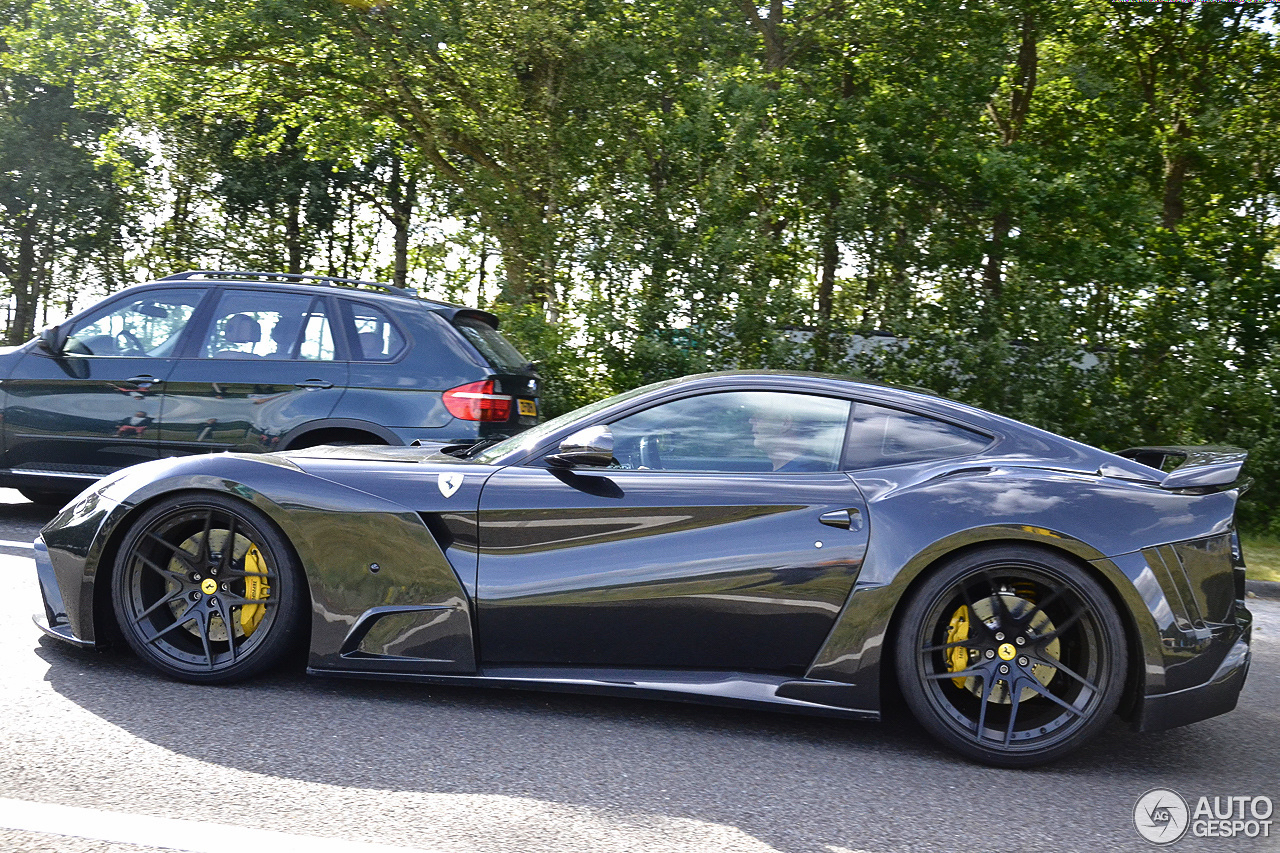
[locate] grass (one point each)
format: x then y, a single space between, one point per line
1262 557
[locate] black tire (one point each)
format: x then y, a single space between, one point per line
198 611
1040 617
54 500
305 442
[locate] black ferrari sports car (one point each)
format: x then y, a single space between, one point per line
792 541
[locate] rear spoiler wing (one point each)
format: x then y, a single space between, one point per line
1204 467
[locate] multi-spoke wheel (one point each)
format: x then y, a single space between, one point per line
206 590
1011 655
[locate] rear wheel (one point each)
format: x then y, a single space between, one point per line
206 590
344 438
47 498
1012 656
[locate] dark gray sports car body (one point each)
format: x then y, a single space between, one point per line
772 539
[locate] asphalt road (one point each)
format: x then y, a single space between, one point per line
155 764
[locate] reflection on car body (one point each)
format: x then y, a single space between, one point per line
1019 587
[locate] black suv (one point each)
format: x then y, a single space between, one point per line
204 361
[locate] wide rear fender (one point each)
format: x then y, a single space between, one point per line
1104 524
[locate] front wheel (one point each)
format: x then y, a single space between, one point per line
206 590
1011 656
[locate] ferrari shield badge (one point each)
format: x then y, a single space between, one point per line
449 483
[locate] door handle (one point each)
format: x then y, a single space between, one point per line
145 379
846 519
313 384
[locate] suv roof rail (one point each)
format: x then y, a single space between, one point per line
327 280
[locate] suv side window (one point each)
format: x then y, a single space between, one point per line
376 337
879 436
147 326
735 432
257 324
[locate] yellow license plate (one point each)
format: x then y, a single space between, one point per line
528 407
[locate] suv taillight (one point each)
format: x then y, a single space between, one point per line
476 401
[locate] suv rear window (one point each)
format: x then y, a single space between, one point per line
492 344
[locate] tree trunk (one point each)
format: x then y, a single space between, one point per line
349 247
870 311
1177 162
993 270
183 253
515 266
830 259
775 47
482 262
823 343
293 231
525 246
25 289
1011 124
897 293
402 193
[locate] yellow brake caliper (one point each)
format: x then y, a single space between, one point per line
255 588
958 631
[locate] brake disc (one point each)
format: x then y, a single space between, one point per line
1018 604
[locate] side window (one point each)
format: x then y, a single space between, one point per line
377 338
735 431
254 324
880 436
148 326
316 343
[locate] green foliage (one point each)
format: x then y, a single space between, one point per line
567 380
61 210
1262 557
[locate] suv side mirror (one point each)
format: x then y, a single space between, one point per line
52 340
592 446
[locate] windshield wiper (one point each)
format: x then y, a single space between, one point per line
466 451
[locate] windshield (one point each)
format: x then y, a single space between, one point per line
526 441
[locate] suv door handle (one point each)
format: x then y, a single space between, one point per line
313 384
847 519
145 379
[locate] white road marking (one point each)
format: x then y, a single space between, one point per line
10 543
146 831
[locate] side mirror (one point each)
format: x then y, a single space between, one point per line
52 340
592 447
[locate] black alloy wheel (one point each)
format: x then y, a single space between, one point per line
1012 656
206 590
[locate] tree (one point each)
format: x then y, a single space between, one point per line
63 211
492 95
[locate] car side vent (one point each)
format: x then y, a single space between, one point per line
977 471
452 529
